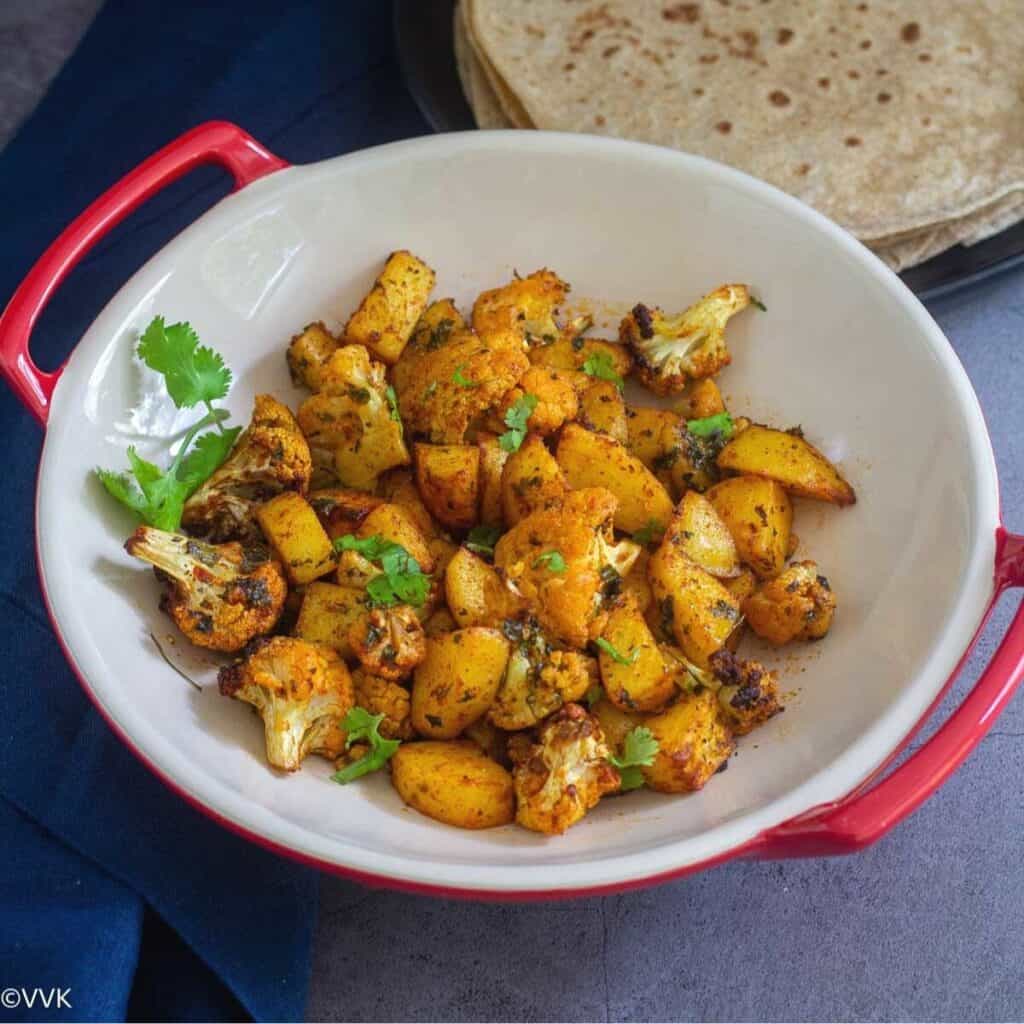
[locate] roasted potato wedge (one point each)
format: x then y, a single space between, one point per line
394 523
694 741
616 724
595 460
702 536
455 782
341 510
327 614
634 676
457 681
307 353
385 319
704 399
530 481
759 516
788 458
475 592
294 532
492 464
701 612
602 409
399 488
448 476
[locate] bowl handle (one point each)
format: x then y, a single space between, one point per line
872 810
216 142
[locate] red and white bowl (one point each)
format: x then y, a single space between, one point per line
845 349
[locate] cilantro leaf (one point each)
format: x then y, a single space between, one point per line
207 453
401 581
552 560
648 532
463 382
594 694
192 373
638 750
755 301
720 424
516 419
612 651
481 539
601 366
392 397
361 726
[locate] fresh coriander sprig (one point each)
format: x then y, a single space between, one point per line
720 424
516 419
594 694
638 750
392 397
615 654
648 532
400 581
552 561
461 380
601 366
481 539
360 725
193 375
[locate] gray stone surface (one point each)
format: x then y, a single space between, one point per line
36 37
927 925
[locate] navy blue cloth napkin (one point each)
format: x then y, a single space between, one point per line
111 887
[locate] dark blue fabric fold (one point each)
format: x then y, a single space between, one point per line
108 878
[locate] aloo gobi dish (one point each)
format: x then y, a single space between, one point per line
471 560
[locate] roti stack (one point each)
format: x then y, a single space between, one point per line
902 120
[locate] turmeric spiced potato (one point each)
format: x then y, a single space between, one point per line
478 559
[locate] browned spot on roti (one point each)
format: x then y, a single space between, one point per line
926 121
803 169
536 31
687 13
610 51
748 36
569 66
833 53
599 119
779 98
708 58
865 44
884 97
824 82
698 91
724 127
783 36
881 72
911 32
924 57
862 7
852 140
853 74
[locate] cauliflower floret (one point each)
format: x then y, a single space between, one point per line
538 679
389 642
271 456
302 692
796 605
563 774
381 696
352 429
434 329
749 693
561 559
220 596
671 351
557 401
456 384
526 305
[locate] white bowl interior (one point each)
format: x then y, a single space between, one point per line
843 350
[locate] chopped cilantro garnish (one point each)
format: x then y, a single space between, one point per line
360 725
600 365
613 652
720 424
648 532
638 750
462 381
389 393
551 560
516 419
594 694
401 581
755 301
481 539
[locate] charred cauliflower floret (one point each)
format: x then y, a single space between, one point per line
220 596
796 605
302 692
352 427
458 383
538 679
271 456
389 642
526 305
563 774
557 401
749 693
671 351
381 696
562 559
